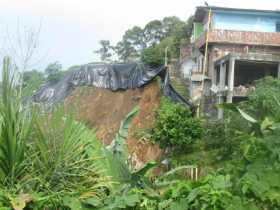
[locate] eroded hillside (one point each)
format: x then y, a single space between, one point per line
104 110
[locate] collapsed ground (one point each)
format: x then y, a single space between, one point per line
103 110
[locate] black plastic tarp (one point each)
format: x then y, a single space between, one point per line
111 76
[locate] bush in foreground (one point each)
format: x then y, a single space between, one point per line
176 127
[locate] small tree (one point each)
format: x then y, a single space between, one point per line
175 127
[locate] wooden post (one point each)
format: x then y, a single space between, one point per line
231 79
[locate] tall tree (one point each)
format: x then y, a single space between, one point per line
132 44
54 72
136 40
171 25
105 51
125 51
153 32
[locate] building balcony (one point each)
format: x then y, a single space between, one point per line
240 91
240 37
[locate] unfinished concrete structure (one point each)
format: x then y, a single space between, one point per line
230 49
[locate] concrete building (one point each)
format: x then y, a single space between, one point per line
230 49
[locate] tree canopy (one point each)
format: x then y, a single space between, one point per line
148 43
105 50
54 72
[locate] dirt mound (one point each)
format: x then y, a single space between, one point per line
104 110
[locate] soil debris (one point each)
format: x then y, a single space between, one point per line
104 110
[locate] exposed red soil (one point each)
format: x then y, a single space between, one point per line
104 110
143 150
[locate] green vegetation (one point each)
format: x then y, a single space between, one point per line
32 80
175 127
45 160
52 161
264 100
179 85
148 44
54 72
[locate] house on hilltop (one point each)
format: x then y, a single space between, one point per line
230 48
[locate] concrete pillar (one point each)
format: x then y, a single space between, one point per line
230 79
278 70
214 76
221 86
222 75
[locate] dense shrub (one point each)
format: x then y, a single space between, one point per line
152 57
264 100
175 126
222 136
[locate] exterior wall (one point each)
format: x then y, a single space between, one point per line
195 90
240 37
220 50
186 67
185 51
245 22
245 37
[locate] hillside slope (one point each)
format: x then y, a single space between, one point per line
104 110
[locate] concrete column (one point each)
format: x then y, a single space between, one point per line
278 70
222 75
230 79
214 76
221 86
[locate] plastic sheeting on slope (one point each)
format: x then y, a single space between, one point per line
110 76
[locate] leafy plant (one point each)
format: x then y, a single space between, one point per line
176 127
264 100
14 130
65 156
118 157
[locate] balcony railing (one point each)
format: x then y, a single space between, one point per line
242 91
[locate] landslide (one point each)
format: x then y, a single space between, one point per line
104 110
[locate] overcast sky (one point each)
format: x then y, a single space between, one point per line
71 29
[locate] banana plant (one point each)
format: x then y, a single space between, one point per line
117 156
260 127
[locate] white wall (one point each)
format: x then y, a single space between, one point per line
186 67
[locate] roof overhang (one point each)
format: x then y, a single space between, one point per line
201 11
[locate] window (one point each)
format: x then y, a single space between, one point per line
278 26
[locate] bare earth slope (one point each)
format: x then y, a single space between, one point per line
104 110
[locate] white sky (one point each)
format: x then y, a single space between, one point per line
71 29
